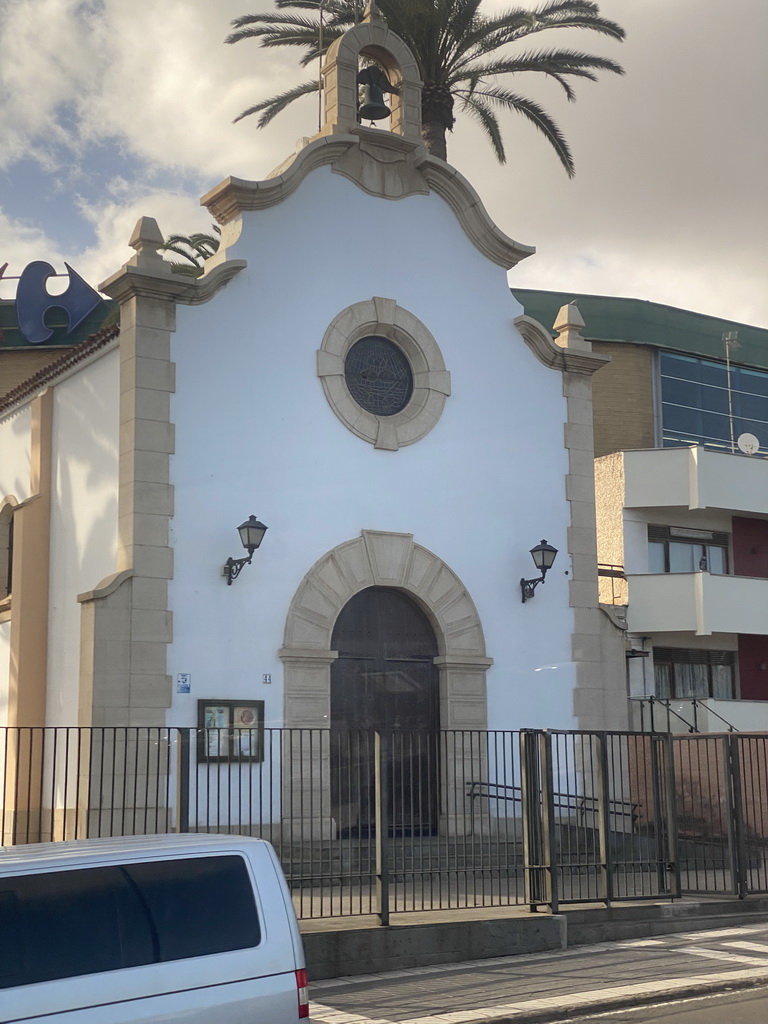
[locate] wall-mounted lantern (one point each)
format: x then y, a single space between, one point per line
251 535
543 556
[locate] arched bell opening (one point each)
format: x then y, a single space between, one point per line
371 45
378 89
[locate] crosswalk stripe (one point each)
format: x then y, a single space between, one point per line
720 954
758 947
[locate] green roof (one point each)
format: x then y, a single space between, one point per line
104 315
647 323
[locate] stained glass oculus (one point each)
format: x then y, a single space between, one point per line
378 376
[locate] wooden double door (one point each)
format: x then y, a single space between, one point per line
384 681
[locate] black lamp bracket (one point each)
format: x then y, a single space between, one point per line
234 566
528 587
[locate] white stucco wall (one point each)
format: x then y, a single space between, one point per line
5 666
15 464
83 517
255 434
16 448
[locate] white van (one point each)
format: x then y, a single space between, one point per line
190 929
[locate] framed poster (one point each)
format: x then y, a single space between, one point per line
230 730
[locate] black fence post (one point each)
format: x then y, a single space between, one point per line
603 817
382 761
670 817
550 846
736 809
182 788
658 817
538 811
530 795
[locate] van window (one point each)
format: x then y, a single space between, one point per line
63 924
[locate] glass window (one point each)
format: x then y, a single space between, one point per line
682 556
695 402
716 559
682 674
702 552
64 924
197 906
378 376
657 555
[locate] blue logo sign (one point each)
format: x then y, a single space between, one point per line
33 301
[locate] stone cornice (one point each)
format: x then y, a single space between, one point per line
539 341
309 655
107 586
471 662
131 281
454 188
382 164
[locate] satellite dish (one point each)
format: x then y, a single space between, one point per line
748 444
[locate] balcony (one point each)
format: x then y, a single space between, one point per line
695 478
697 602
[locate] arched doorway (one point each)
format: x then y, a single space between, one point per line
384 680
392 561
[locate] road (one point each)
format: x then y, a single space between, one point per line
749 1007
553 986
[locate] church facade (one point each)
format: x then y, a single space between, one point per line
352 371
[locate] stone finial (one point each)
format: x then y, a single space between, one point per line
146 240
568 324
372 12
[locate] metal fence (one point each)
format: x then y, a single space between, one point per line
381 823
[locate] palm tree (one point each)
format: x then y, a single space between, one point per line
194 250
461 53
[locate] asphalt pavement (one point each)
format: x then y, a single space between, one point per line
552 986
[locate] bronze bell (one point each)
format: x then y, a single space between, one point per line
372 84
371 105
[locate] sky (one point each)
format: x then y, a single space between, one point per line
115 109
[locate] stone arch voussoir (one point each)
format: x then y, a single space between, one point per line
378 558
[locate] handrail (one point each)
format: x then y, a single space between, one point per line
666 702
569 801
711 711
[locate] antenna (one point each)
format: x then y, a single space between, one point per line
730 340
320 72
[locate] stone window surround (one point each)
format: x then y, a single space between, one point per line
431 381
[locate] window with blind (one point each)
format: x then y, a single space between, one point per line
694 674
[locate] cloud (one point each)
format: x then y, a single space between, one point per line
668 203
152 75
21 244
115 218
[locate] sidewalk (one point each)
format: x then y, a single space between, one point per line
338 947
551 986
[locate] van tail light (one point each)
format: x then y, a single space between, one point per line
302 991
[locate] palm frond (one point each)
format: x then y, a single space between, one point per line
534 113
457 48
488 121
272 107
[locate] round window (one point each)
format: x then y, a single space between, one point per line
378 376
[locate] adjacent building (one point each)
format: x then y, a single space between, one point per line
681 439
